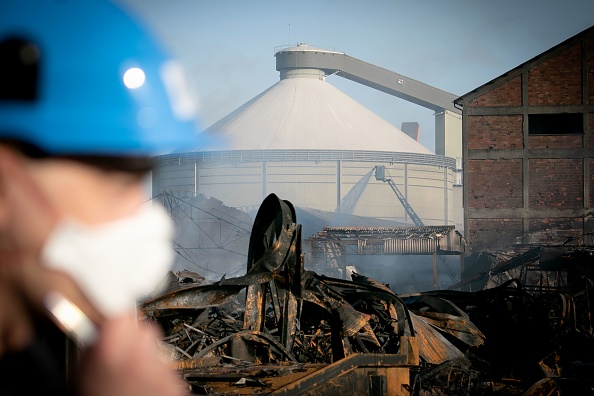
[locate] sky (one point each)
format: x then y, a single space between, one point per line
227 46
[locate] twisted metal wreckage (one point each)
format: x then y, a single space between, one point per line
282 330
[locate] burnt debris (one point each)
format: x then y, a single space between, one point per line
280 329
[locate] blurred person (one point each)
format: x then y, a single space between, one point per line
86 98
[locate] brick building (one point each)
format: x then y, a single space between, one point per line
529 148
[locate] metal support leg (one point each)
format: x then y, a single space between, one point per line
435 282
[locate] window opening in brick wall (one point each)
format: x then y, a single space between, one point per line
555 124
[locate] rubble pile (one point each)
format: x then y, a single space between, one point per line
282 330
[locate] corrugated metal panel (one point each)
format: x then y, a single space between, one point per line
404 231
394 240
410 246
453 241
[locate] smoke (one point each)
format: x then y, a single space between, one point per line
211 238
403 273
348 203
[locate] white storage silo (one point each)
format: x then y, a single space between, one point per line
309 143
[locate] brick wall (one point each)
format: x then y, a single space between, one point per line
591 130
557 81
495 132
555 141
556 183
484 232
555 186
591 71
588 228
558 223
508 94
561 228
591 160
494 184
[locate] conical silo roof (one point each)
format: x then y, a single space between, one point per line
304 112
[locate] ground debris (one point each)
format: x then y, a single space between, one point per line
279 329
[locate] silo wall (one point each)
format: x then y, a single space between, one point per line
324 180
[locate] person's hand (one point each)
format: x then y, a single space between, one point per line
16 329
125 361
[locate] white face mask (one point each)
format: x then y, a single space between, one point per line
115 263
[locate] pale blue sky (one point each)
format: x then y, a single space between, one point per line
228 46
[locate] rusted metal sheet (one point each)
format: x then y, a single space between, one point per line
351 375
196 297
259 379
433 347
459 328
446 317
254 308
525 336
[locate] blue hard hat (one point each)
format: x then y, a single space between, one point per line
87 80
